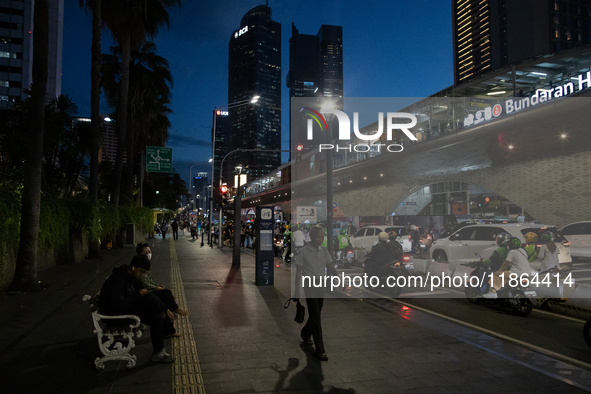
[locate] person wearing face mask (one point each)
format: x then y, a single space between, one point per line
165 295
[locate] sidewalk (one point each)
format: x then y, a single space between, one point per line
238 338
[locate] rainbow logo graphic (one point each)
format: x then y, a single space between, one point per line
316 116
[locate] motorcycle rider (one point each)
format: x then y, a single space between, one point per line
380 255
516 263
532 251
547 254
500 255
286 243
394 245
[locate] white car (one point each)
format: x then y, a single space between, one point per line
579 236
365 238
464 244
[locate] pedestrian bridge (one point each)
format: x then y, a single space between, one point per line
538 158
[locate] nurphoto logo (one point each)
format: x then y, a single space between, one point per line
394 121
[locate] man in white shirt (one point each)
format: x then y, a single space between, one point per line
298 238
516 263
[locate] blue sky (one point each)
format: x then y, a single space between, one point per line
391 48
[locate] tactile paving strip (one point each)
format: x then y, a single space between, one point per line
186 371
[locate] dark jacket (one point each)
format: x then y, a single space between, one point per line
395 248
120 292
380 255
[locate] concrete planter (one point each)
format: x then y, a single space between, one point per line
436 269
421 266
580 297
461 270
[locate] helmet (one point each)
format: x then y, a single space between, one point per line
383 237
547 237
514 243
343 231
392 233
531 237
502 239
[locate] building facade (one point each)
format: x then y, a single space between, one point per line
199 191
220 142
492 34
16 49
255 75
315 70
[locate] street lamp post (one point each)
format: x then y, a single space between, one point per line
329 214
191 183
237 221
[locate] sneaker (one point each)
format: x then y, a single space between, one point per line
181 312
321 356
162 357
490 295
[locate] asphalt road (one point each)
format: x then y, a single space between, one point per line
548 332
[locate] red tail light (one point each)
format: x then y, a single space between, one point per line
539 246
566 244
406 258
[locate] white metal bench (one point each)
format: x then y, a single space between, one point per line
115 341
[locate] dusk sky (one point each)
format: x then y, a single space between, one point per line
390 49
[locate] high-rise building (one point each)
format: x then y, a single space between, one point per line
199 190
255 71
108 148
16 49
220 139
491 34
315 68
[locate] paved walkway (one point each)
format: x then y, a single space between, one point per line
238 338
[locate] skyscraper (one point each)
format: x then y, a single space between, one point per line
16 49
255 70
315 68
491 34
220 138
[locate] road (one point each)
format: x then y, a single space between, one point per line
547 332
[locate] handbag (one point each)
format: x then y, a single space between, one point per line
300 311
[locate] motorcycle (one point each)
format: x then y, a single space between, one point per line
396 268
344 257
513 298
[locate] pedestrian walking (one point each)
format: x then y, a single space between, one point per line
164 229
175 229
311 263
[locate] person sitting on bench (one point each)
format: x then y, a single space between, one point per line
123 293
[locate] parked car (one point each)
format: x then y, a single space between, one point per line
463 245
579 236
446 233
365 238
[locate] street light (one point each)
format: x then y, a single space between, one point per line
237 220
191 182
326 111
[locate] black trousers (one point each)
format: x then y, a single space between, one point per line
163 234
166 296
175 234
148 309
313 326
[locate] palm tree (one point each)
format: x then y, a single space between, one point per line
25 276
94 6
149 95
130 22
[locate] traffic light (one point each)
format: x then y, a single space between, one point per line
224 194
299 151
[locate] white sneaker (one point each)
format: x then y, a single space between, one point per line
162 357
490 295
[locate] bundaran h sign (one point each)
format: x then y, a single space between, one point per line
511 105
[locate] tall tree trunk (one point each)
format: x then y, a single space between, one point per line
129 184
25 277
95 98
122 116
